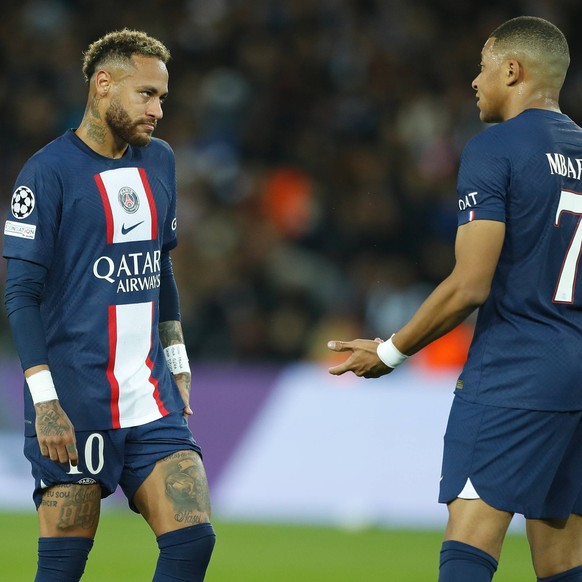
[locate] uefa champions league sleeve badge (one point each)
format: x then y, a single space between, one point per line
21 207
22 203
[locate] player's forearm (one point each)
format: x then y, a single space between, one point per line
35 369
171 333
170 328
445 308
172 340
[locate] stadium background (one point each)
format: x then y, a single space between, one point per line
317 144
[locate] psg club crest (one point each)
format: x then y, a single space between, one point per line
22 203
128 199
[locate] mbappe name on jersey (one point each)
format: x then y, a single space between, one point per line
565 166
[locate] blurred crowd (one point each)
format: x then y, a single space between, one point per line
317 144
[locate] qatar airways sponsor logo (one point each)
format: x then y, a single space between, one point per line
130 272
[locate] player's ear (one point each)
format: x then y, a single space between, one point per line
102 81
513 72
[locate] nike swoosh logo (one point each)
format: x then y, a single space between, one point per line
129 228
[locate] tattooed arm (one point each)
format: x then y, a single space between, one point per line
24 286
54 430
171 334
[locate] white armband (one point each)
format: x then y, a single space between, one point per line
42 387
177 358
390 354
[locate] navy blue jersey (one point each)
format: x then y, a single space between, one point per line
527 347
99 226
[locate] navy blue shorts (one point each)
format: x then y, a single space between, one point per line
124 456
521 461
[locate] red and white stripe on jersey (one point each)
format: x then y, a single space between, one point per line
130 210
135 398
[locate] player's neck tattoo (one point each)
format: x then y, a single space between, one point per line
96 133
93 123
94 109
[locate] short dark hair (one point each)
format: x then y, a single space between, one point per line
532 34
120 46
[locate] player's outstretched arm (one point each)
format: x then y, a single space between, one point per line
363 358
477 249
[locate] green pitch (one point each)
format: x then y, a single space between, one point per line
125 551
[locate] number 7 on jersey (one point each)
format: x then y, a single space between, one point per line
570 202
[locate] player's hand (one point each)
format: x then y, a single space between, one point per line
184 380
55 433
362 358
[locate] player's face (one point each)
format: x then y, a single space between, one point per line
135 108
489 85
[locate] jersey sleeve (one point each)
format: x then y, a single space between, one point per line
24 284
169 296
483 182
32 224
170 240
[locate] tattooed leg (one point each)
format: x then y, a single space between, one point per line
186 488
175 494
70 510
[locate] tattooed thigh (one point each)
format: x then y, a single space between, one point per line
186 487
71 508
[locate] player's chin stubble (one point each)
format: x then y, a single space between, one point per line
122 125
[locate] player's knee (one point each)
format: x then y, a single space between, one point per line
476 523
185 553
571 575
566 568
556 547
459 561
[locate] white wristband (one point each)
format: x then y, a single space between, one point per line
390 354
42 387
177 358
